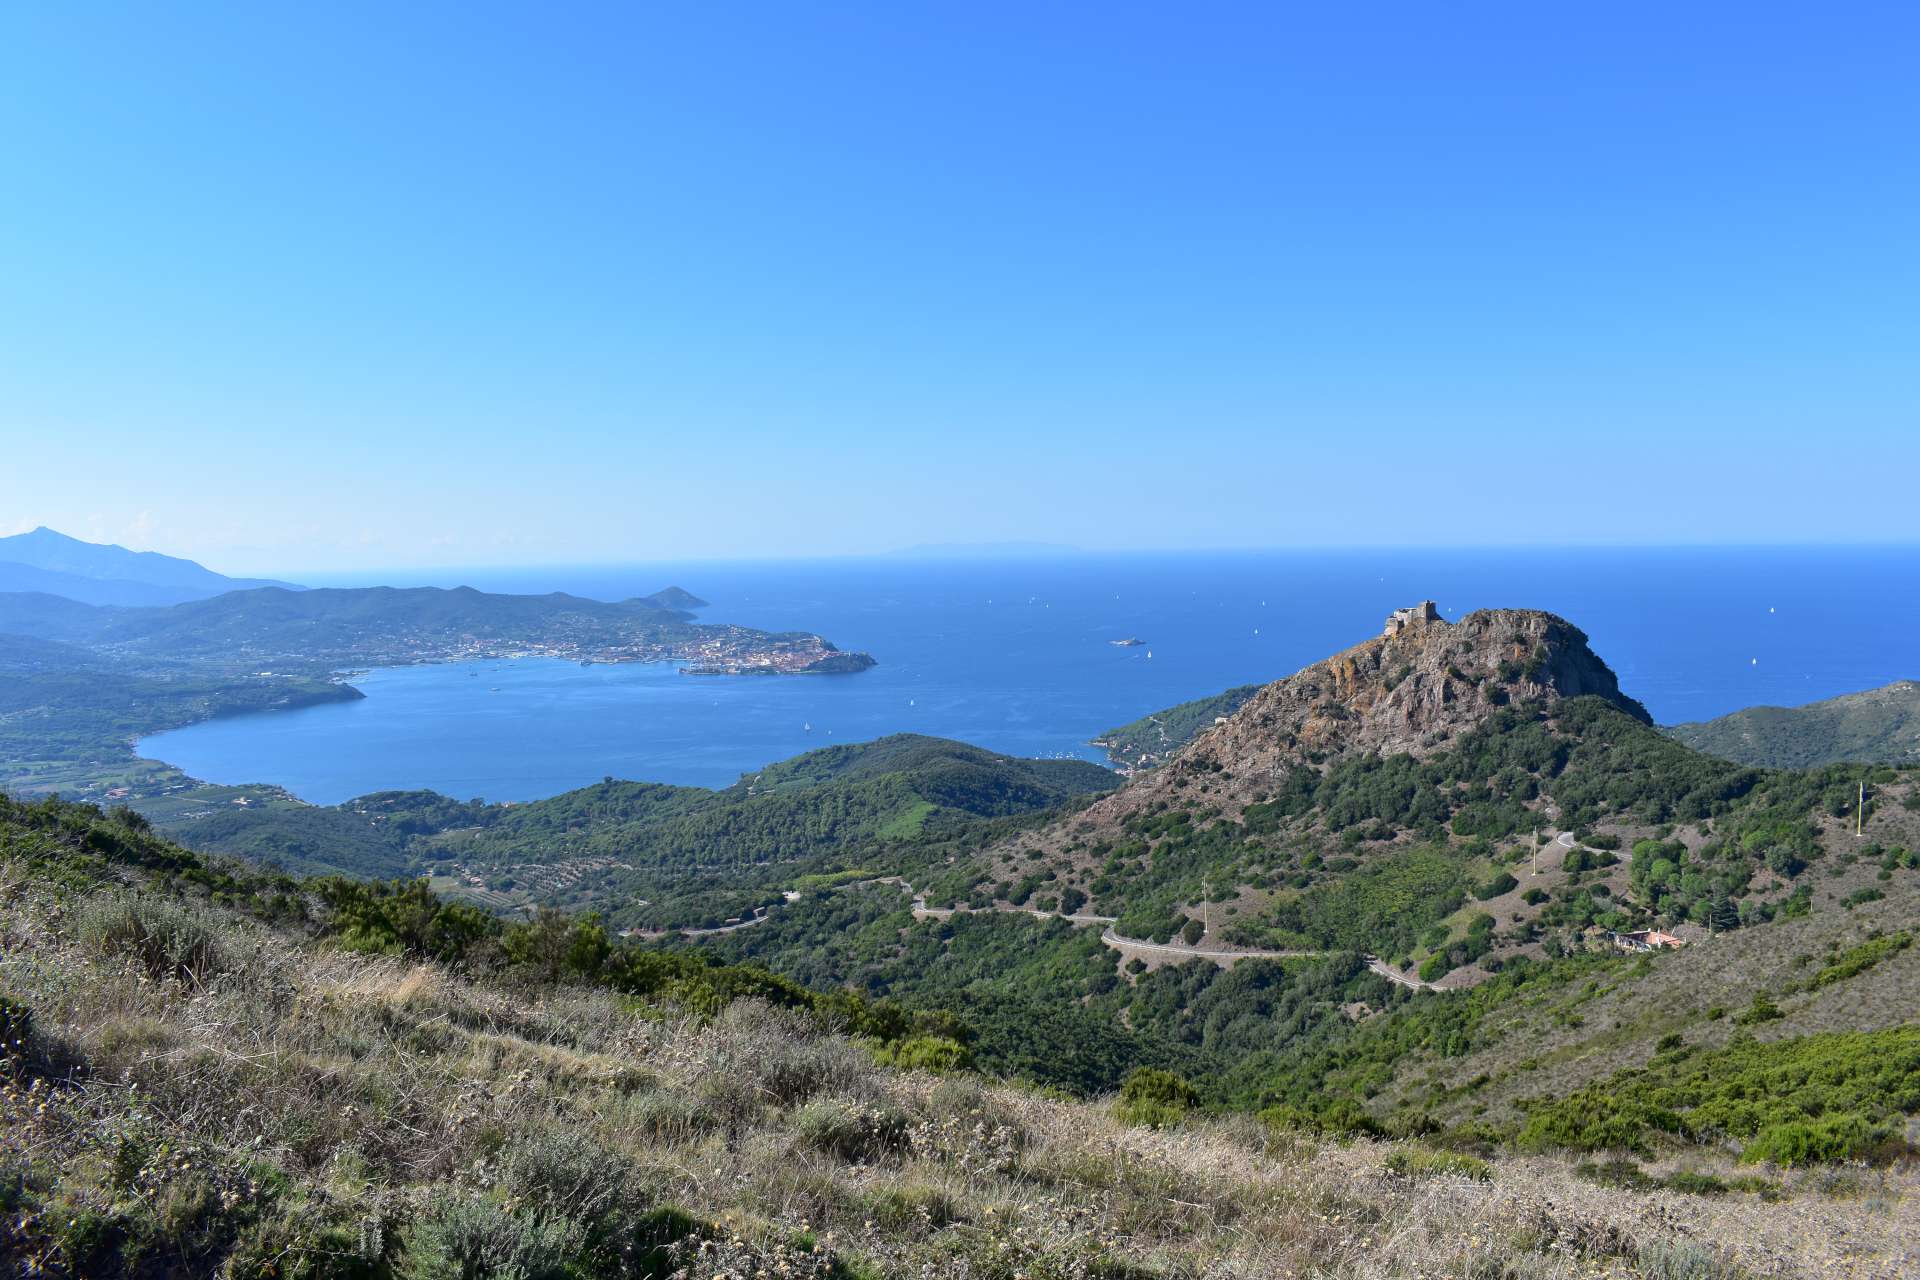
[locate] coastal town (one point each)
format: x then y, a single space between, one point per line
711 650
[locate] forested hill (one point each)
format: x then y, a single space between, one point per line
1878 726
1448 797
652 854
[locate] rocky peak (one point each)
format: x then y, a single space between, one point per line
1414 688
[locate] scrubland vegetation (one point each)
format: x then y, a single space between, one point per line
210 1070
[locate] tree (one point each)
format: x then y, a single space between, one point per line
1722 912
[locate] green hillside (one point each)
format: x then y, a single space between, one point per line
210 1071
699 857
1149 740
1878 726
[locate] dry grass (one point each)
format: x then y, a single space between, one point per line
308 1109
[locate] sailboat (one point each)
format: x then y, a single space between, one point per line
807 727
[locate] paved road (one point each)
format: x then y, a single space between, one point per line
1128 947
1392 974
1132 947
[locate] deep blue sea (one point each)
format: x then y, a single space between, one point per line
1014 655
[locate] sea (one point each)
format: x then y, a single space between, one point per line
1016 654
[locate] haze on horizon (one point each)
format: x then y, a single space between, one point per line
347 287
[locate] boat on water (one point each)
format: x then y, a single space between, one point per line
1127 643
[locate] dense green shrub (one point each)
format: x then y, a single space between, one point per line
1824 1097
1857 960
1502 883
1155 1098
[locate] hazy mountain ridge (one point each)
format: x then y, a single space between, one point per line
104 573
1874 726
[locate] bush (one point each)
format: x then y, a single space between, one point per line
167 939
1763 1009
1857 960
1502 883
1826 1140
783 1057
1155 1098
848 1130
1834 1096
914 1205
565 1174
665 1115
467 1238
1417 1162
1682 1260
926 1053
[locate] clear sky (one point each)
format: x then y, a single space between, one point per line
292 286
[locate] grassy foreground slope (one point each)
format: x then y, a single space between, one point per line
211 1072
1877 726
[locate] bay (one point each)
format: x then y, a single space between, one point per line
1014 655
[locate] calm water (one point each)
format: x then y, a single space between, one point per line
1013 655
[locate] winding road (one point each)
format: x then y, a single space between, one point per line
1133 948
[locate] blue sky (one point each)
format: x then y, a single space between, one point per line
333 286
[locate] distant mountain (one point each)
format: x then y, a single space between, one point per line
1879 726
100 573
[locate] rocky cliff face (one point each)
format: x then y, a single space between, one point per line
1414 690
